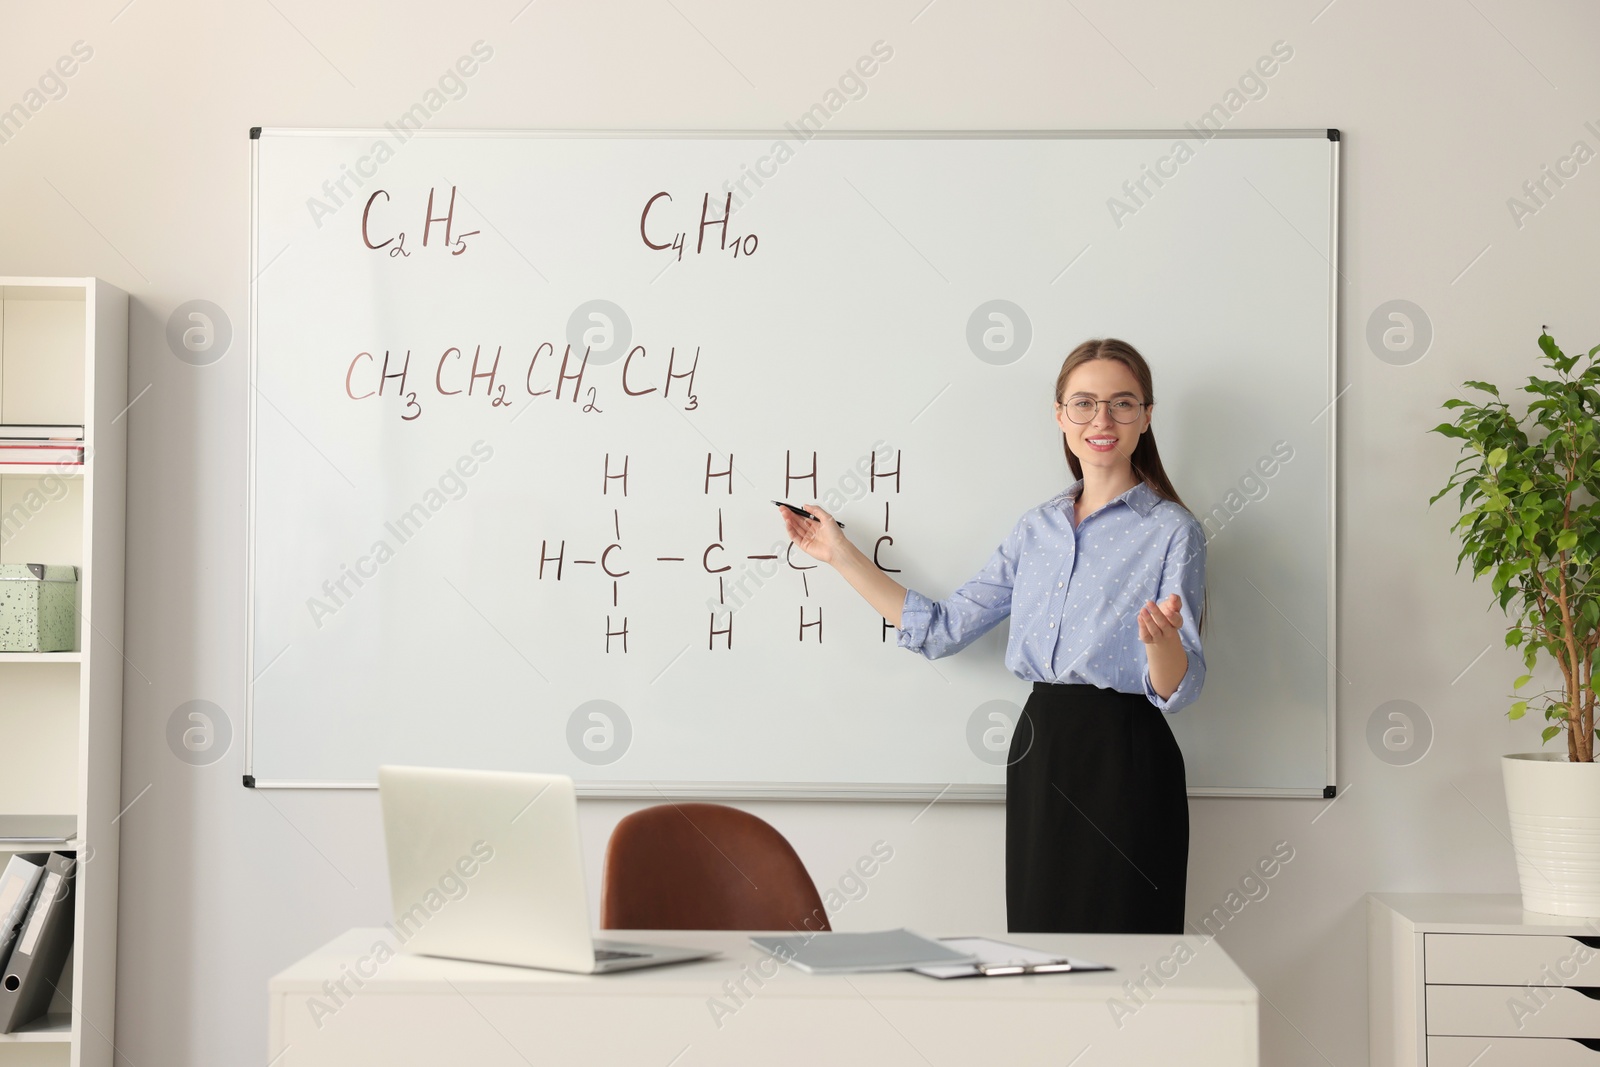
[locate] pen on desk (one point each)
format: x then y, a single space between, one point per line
805 514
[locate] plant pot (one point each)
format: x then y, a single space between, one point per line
1554 807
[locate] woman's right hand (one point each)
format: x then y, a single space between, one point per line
822 541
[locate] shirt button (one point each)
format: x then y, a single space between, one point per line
1052 626
1058 585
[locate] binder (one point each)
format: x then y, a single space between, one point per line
831 952
17 883
38 431
29 977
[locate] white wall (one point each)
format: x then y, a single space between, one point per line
138 174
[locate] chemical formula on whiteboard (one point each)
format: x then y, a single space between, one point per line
371 377
376 374
615 562
735 245
393 243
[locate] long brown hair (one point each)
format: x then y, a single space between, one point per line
1146 460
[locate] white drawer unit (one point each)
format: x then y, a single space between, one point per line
1489 959
1511 1052
1511 1011
1472 980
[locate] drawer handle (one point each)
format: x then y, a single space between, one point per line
1592 992
1592 942
1590 1043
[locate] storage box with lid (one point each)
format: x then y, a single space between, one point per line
38 607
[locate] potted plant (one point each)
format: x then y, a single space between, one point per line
1529 518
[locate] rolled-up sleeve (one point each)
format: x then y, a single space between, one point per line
1184 572
940 628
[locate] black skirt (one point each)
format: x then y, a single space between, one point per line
1097 815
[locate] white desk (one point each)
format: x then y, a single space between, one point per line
418 1010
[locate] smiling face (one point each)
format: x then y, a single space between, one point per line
1102 442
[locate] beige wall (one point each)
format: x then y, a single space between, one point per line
137 172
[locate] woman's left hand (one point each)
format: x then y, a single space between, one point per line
1159 623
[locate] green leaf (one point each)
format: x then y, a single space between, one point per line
1497 459
1514 638
1485 386
1566 540
1519 709
1520 682
1548 733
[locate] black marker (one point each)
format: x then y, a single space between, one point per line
805 514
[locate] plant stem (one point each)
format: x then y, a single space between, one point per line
1580 741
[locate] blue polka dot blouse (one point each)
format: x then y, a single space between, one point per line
1074 595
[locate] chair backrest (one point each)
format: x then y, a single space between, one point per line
691 866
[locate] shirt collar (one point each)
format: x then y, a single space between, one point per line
1141 498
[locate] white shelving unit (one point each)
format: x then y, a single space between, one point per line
64 359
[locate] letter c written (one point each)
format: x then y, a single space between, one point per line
365 239
618 574
351 371
534 362
438 375
875 547
645 215
705 561
627 365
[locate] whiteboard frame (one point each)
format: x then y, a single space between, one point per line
929 792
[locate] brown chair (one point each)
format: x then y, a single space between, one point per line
705 867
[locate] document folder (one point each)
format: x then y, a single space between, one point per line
17 883
847 953
29 977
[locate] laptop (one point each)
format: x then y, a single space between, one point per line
486 866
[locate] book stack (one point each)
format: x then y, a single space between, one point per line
40 445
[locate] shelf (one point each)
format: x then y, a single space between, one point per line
40 470
56 1026
8 847
63 362
16 830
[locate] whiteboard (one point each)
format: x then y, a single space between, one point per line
569 563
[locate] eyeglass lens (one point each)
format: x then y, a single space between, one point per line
1081 409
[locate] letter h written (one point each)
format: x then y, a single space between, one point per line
885 475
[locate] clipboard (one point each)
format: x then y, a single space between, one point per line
999 959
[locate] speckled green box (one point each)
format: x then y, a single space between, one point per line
37 605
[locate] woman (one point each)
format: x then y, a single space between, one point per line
1101 583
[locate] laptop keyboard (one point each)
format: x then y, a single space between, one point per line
616 954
